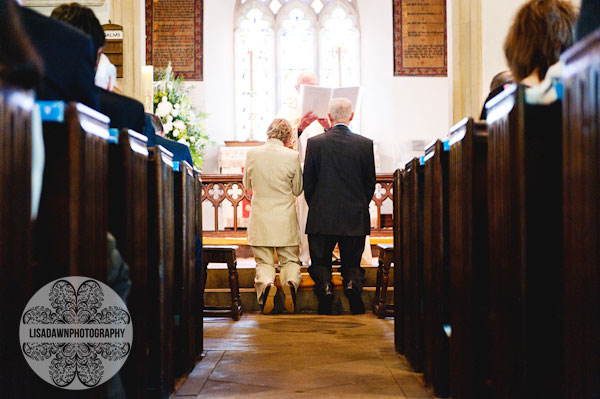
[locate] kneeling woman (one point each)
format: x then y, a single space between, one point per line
273 173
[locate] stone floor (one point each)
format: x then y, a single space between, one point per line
301 356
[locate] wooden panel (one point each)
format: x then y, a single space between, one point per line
15 237
412 188
72 224
469 261
199 267
524 160
398 263
160 267
128 222
184 228
436 269
71 230
581 212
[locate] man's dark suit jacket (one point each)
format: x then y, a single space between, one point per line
124 112
68 56
339 181
589 18
181 152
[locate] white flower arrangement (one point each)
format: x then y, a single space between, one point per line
180 121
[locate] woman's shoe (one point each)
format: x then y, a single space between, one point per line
269 298
289 293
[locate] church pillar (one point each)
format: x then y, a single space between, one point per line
466 59
130 15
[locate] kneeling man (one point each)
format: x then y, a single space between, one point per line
339 181
273 173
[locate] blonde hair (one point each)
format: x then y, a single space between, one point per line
279 129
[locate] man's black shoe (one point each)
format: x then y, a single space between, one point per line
269 298
326 300
289 293
356 303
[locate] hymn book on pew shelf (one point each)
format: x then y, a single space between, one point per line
317 98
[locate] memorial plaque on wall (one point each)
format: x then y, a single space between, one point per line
174 33
420 38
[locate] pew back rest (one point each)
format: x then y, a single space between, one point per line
581 212
72 225
16 109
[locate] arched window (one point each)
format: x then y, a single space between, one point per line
277 39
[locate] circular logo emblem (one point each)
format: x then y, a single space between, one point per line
76 333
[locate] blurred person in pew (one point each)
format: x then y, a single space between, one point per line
68 58
20 64
106 74
540 32
339 182
499 82
21 67
305 127
589 18
272 172
181 152
124 112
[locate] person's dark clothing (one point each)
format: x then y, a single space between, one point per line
124 112
68 57
589 18
339 181
181 152
351 249
492 94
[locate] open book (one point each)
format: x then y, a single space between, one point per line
317 98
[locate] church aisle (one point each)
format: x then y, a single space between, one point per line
301 356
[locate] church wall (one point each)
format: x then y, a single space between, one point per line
398 113
102 12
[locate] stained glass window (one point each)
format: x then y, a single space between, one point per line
275 40
254 70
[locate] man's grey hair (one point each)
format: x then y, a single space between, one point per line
340 109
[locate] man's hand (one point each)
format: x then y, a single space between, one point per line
325 123
306 120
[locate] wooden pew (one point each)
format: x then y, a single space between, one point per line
73 218
412 270
160 267
72 225
436 269
184 267
199 272
128 222
15 236
581 215
398 263
469 261
525 233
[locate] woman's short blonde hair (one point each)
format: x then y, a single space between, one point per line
279 129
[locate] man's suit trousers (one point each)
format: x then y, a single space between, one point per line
351 249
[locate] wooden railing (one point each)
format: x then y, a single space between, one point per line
222 194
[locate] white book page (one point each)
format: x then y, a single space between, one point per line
351 93
315 99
